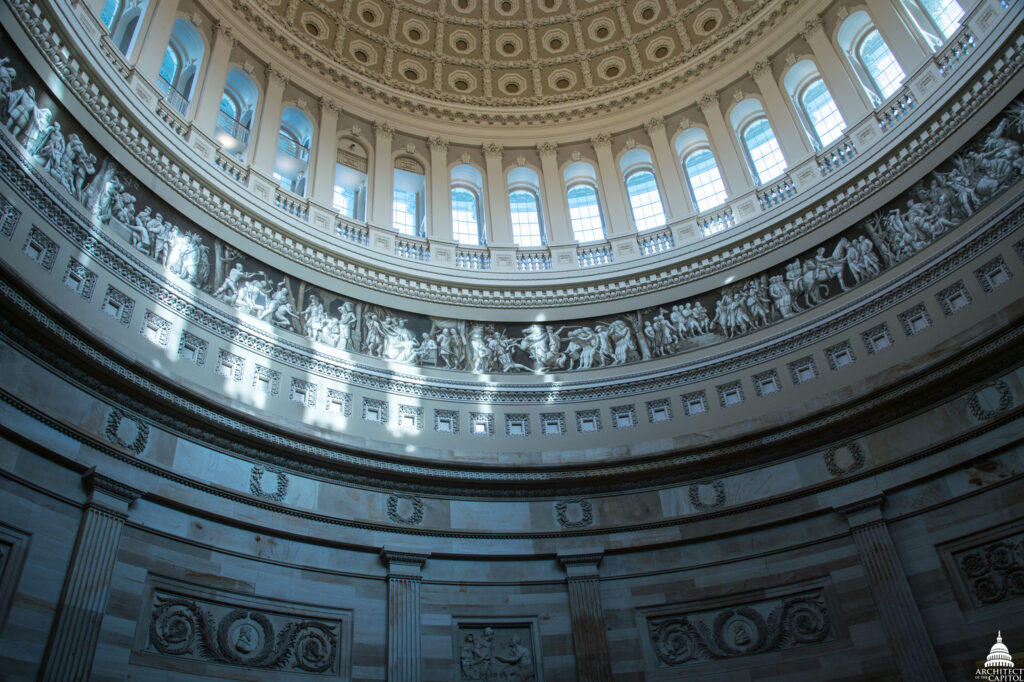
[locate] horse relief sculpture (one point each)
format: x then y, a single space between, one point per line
54 142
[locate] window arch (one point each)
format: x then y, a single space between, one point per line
110 13
816 108
294 139
237 107
936 20
408 205
350 179
524 207
180 65
122 20
467 210
585 216
876 67
703 177
642 190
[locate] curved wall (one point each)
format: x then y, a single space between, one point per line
193 493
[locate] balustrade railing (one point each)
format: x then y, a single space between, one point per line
413 249
292 148
232 168
778 192
655 242
837 155
714 223
591 256
232 127
473 259
176 99
896 109
352 232
955 51
292 204
171 118
533 261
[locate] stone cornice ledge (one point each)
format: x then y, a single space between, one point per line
224 210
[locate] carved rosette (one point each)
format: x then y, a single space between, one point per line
994 572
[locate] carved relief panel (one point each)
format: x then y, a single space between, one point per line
492 650
986 569
198 630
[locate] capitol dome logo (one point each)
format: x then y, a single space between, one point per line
998 665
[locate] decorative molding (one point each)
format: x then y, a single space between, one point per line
405 509
743 630
126 431
857 459
717 486
256 483
582 513
1003 402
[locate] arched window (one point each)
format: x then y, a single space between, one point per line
936 20
169 67
404 211
525 212
110 12
763 150
294 139
465 216
350 179
229 106
645 200
408 204
822 113
705 180
585 213
881 65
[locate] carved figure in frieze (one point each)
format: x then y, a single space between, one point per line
730 316
543 345
605 346
665 336
426 351
399 342
163 237
193 263
7 75
373 338
40 124
21 108
314 317
624 346
85 165
479 351
346 326
807 281
500 350
517 660
69 161
782 299
468 661
111 189
50 148
249 294
582 348
445 345
124 208
484 647
228 289
757 302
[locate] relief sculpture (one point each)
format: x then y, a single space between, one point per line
496 654
184 627
60 148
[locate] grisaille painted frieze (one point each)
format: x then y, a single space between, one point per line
743 630
205 630
61 151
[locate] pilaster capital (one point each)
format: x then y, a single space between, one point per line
222 30
709 100
582 564
276 76
328 104
109 493
601 140
654 124
402 564
383 130
493 150
438 144
865 512
547 149
812 27
761 69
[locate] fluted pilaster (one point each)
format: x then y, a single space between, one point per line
911 646
593 662
403 642
83 601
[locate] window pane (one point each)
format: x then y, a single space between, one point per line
169 67
228 106
823 112
645 200
946 13
881 64
345 201
465 228
109 13
525 218
403 214
764 150
585 214
705 180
